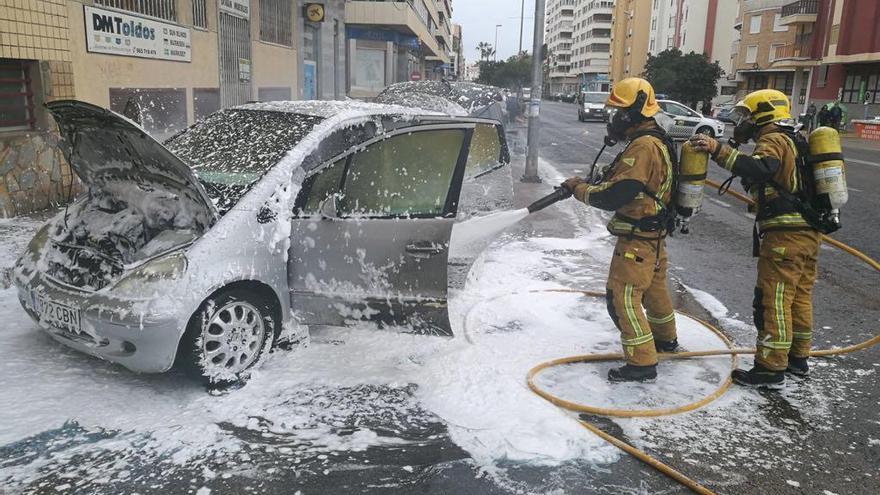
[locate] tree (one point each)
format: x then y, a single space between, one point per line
515 72
688 78
486 51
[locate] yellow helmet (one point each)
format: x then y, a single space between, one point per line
763 107
625 92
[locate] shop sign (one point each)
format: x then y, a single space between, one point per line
238 8
244 69
115 33
415 76
314 12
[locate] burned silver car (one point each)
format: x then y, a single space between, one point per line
240 232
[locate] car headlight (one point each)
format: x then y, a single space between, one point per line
164 268
41 238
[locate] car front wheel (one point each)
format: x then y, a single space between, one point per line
706 130
230 334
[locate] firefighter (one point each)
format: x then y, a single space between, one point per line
786 246
638 187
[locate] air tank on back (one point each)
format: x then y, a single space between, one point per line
691 179
828 170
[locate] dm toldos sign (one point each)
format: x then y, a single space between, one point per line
115 33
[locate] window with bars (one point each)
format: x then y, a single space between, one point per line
275 22
161 9
16 96
200 14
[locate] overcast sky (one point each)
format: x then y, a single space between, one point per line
479 17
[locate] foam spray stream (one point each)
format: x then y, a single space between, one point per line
466 236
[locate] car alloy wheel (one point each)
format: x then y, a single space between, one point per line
232 339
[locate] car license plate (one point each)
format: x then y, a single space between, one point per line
57 315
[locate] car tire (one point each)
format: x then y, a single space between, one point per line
706 130
230 334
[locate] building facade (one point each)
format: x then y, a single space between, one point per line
630 35
35 68
591 45
559 22
458 62
838 39
392 41
320 58
758 53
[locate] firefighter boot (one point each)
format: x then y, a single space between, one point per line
759 377
666 346
798 366
632 373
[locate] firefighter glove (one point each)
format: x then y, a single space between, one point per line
572 183
702 142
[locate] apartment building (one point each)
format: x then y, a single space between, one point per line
758 55
664 18
836 42
559 21
392 41
458 62
630 34
592 43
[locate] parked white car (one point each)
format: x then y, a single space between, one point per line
687 122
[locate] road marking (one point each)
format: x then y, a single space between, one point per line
854 189
863 162
719 202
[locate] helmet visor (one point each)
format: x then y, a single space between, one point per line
740 114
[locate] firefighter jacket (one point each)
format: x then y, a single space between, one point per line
637 187
774 159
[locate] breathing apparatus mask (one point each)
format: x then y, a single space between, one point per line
744 128
625 118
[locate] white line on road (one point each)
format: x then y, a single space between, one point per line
854 189
863 162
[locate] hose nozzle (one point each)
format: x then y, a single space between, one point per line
559 193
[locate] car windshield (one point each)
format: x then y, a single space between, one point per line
595 97
232 149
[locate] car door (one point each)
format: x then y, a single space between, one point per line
370 237
686 120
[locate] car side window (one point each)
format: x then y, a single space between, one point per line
675 110
405 175
320 186
485 152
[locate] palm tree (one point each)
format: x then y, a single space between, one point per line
486 51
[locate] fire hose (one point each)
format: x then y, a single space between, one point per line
642 456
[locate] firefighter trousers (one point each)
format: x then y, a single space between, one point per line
636 279
783 303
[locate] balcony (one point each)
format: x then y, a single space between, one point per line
800 12
796 54
389 15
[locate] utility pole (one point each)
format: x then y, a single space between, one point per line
534 106
522 16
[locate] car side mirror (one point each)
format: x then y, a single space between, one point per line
329 208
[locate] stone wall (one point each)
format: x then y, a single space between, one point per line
33 174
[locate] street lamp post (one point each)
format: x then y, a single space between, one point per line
495 55
522 14
534 106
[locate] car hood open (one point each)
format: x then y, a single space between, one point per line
114 156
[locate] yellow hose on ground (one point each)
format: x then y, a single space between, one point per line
639 454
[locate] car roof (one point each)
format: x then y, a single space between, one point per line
327 109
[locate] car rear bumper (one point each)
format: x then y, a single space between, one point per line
111 329
599 114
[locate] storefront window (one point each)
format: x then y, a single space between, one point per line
861 84
16 98
370 69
